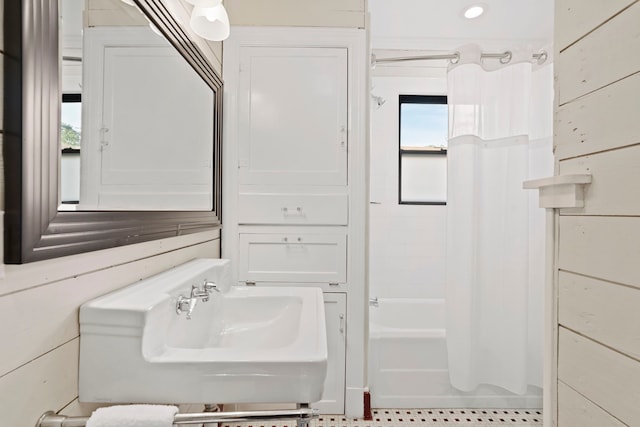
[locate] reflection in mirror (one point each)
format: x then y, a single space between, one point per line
70 136
137 120
35 226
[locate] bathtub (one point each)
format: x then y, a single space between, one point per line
408 361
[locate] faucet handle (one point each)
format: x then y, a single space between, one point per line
210 286
183 305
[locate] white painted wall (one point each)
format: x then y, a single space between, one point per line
414 21
407 242
324 13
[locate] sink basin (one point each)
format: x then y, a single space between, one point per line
243 345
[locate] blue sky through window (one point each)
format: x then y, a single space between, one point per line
72 114
423 125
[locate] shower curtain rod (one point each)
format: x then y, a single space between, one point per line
454 57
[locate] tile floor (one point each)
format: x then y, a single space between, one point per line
424 417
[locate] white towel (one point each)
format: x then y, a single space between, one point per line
133 416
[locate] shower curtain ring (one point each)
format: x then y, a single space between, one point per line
542 57
506 57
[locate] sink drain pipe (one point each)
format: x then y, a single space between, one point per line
302 415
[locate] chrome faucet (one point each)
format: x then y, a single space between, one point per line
208 286
184 304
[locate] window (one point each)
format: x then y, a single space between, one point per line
423 150
70 138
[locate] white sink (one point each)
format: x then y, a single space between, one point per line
244 345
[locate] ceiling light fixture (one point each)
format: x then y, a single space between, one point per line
211 23
474 11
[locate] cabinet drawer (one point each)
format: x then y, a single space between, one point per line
318 209
293 257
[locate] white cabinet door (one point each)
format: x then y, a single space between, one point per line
335 306
293 257
119 170
293 116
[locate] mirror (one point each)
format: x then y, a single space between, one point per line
142 161
136 119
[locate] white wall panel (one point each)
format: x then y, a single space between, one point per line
606 377
601 247
611 191
600 121
47 383
575 18
577 411
597 131
603 57
20 277
46 316
583 309
39 317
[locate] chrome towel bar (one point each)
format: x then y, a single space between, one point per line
303 415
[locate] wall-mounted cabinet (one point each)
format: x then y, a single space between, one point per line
293 116
295 183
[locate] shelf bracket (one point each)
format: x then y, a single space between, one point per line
561 191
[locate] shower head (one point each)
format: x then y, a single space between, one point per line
378 100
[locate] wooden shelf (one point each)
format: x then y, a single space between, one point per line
562 191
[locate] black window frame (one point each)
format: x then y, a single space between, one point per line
71 97
416 99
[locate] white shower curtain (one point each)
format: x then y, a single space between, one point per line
500 128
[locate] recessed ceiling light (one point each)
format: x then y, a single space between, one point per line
473 11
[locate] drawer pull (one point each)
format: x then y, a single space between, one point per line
250 283
292 211
333 284
294 242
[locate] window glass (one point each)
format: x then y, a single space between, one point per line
70 140
423 149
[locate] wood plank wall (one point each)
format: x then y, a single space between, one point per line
597 131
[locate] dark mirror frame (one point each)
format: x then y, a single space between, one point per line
34 230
